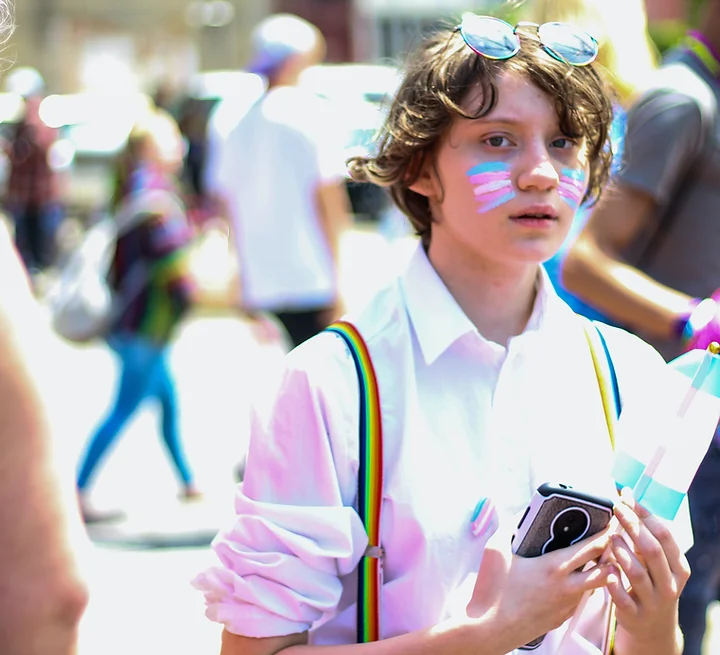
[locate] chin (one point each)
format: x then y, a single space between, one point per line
537 257
538 252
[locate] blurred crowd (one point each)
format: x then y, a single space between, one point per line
192 168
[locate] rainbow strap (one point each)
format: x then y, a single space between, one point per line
370 484
612 406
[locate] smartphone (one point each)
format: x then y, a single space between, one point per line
559 516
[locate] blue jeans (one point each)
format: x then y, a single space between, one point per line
145 374
704 556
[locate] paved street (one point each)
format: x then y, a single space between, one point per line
139 569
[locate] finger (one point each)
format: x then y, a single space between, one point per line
496 561
593 578
491 579
588 550
624 602
614 527
660 530
632 567
648 548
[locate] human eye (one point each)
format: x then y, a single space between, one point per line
497 141
565 143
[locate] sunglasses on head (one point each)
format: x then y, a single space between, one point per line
495 38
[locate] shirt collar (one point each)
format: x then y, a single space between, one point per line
446 323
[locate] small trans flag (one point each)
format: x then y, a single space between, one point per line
660 446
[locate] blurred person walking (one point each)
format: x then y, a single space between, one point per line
627 57
150 273
648 256
33 196
280 176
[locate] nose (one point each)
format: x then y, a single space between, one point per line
537 172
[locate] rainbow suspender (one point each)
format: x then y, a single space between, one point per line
370 484
610 394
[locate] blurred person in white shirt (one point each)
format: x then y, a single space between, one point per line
280 176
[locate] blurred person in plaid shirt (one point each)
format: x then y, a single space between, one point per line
33 196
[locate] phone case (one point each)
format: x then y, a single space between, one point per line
559 516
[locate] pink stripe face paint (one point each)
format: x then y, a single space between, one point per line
572 187
492 185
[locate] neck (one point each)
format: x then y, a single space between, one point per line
288 74
498 300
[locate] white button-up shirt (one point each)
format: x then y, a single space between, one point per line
463 419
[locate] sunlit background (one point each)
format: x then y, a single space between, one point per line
103 62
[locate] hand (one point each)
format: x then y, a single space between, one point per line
703 324
657 573
532 596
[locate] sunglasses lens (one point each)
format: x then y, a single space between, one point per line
568 44
490 37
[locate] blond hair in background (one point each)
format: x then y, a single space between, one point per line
627 54
155 137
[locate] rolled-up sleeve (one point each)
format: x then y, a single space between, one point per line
296 532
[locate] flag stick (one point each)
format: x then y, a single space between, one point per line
651 467
695 385
699 377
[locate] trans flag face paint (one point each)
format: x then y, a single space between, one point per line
572 187
492 185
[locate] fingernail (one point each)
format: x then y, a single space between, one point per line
627 495
613 575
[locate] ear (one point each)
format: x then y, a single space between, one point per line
423 172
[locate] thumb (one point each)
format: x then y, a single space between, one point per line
494 568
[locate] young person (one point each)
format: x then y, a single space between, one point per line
151 275
486 387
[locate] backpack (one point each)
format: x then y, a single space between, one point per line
83 304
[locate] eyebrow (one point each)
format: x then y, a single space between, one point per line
511 121
506 120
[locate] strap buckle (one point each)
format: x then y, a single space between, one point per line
376 552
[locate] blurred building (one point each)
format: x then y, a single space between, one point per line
136 44
108 45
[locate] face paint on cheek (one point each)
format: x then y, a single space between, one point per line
572 187
492 185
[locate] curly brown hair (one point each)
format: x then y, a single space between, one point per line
438 78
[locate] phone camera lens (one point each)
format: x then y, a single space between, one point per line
568 527
573 520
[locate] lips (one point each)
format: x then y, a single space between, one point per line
535 216
537 212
